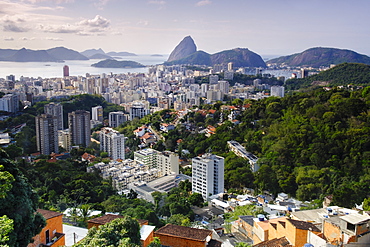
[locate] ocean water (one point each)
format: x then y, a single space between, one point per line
76 67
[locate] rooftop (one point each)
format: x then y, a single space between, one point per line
48 214
184 232
303 225
276 242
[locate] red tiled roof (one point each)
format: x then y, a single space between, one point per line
276 242
48 214
184 232
105 219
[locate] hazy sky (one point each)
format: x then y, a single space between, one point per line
278 27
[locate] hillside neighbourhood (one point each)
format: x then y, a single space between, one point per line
186 156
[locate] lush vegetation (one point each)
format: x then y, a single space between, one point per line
341 75
18 203
309 144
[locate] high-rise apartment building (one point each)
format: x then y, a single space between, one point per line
65 71
138 110
79 127
47 134
9 103
213 79
56 110
97 113
208 175
117 118
112 142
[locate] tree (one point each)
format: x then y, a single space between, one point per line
120 232
19 205
196 199
155 243
242 244
179 219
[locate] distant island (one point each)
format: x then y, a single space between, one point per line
156 55
112 63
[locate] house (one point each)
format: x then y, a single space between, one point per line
295 231
182 236
52 234
146 231
351 228
165 127
277 242
244 225
139 132
148 138
88 157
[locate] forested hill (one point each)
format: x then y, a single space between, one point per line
309 145
341 75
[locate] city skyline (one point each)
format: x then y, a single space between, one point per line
157 26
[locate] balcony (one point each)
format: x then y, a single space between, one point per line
56 240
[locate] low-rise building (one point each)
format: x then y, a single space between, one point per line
52 234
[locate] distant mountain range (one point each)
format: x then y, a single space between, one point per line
57 54
186 53
320 56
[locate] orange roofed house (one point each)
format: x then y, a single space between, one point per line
182 236
52 234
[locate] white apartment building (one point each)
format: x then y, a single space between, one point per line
9 103
166 162
55 109
208 175
97 113
112 142
64 139
277 91
240 151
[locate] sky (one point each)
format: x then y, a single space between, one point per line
274 27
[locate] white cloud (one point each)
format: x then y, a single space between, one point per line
97 22
8 38
203 3
56 1
60 28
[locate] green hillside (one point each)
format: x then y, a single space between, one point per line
340 75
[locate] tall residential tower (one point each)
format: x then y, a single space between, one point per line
79 127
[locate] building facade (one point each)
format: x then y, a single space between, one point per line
9 103
47 134
55 109
116 119
112 142
97 113
208 175
277 91
79 127
166 162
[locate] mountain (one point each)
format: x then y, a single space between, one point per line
111 63
240 57
25 55
185 48
196 58
62 53
186 53
120 54
100 56
340 75
320 56
91 52
7 53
